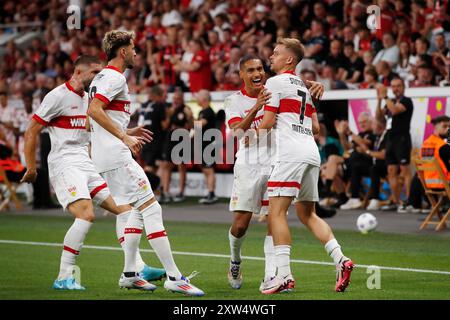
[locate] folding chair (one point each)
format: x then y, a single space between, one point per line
435 196
8 195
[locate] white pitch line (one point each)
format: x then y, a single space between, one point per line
216 255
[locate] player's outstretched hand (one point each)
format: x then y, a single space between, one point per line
263 98
316 89
29 176
133 143
141 132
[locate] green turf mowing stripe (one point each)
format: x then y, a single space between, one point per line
215 255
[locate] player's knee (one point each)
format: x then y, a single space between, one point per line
87 215
239 228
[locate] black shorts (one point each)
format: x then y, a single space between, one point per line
204 163
152 152
168 147
398 149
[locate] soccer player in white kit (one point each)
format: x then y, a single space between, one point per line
109 112
295 173
72 173
244 112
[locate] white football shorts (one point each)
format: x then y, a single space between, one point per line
129 184
76 182
249 191
291 179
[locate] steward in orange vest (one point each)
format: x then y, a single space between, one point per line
435 146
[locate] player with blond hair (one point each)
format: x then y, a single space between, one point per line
296 166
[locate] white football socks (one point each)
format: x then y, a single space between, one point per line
73 241
334 251
235 246
121 222
132 236
269 253
282 259
157 237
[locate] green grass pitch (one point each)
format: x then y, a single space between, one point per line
27 272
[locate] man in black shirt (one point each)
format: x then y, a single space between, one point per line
180 117
378 169
207 120
153 116
336 58
398 113
355 65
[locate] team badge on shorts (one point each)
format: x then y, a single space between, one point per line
234 201
143 184
72 190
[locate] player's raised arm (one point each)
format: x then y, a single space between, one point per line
245 123
271 108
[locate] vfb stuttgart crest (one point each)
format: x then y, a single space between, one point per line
72 190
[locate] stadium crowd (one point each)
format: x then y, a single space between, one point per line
196 45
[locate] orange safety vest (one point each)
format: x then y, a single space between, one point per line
429 150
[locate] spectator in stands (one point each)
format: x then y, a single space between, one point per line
207 120
440 45
329 79
215 50
367 57
349 35
446 81
199 68
365 41
370 78
421 45
168 57
153 116
425 77
354 68
316 45
234 81
180 117
398 113
359 162
336 59
390 51
137 78
404 68
327 144
233 64
385 73
266 29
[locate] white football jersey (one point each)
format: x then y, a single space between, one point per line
293 105
107 151
237 106
63 111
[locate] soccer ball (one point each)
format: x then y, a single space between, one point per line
366 222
